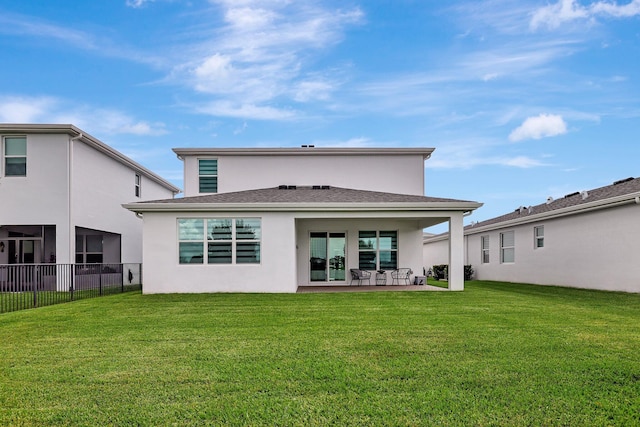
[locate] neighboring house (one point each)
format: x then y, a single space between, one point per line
273 219
588 239
61 196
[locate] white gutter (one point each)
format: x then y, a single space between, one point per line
302 207
425 152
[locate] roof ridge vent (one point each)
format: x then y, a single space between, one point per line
584 194
549 200
621 181
575 193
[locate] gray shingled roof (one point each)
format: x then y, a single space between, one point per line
305 194
617 189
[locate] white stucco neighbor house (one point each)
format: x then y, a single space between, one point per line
61 196
587 239
274 219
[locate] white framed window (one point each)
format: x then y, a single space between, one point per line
138 186
15 155
507 247
377 250
484 249
219 240
538 237
208 175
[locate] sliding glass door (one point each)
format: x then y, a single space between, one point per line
327 257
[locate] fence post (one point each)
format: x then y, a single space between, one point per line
72 275
100 279
34 282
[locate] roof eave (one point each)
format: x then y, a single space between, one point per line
301 207
425 152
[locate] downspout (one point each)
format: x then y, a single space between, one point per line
72 234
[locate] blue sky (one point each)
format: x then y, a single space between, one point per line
521 99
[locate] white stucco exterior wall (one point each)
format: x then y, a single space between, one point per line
70 184
164 274
100 186
402 174
41 197
594 250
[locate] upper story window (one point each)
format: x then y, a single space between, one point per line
484 256
15 156
138 186
507 247
538 237
208 175
378 250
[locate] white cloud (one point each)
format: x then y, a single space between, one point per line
14 109
542 126
137 3
555 15
25 109
245 111
258 54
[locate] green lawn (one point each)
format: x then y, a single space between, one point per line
496 354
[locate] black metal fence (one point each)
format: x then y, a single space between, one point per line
25 286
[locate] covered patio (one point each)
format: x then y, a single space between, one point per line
368 288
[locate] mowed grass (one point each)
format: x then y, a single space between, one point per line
496 354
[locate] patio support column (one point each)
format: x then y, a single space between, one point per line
456 252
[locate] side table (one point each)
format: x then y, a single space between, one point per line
381 279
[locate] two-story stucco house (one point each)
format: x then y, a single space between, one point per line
587 239
61 196
274 219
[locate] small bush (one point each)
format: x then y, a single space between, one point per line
468 272
442 272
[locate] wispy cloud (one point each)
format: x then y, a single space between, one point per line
138 3
565 11
30 26
473 153
24 109
258 57
542 126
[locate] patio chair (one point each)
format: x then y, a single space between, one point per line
403 274
360 275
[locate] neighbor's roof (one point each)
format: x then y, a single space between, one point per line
305 150
620 192
295 197
91 141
